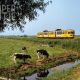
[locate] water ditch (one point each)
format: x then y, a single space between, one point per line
50 71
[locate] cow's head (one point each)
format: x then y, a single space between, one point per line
29 56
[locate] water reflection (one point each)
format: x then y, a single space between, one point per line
24 78
36 76
50 71
43 73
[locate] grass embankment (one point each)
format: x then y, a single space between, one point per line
72 44
57 49
70 74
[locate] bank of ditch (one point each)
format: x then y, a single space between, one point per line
30 68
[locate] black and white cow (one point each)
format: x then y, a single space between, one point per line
42 52
21 56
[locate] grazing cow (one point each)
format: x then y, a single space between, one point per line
43 73
42 52
23 48
21 56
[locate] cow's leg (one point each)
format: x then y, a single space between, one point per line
14 59
38 54
24 60
43 57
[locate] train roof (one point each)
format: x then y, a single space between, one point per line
56 30
69 30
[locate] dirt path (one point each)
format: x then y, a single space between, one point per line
55 61
3 78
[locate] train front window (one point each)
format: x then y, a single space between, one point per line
70 32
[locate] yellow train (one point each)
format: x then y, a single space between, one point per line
58 33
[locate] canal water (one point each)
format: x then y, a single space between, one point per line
51 70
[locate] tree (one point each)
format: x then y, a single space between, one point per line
14 12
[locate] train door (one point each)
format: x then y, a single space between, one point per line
45 33
58 33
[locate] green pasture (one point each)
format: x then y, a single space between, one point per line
57 47
10 46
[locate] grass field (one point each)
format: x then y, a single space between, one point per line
56 48
10 46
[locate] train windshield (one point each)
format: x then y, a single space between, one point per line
70 32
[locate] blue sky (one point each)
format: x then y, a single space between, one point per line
64 14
